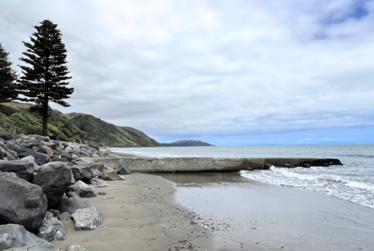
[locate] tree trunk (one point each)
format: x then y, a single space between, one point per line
45 119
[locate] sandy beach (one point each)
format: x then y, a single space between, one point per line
140 213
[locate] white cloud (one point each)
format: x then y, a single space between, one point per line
210 67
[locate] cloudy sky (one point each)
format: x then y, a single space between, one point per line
228 72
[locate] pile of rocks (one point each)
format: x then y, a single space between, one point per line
43 182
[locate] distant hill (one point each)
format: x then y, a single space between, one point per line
187 143
20 118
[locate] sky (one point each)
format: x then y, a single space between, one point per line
253 72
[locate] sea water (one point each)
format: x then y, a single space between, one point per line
354 181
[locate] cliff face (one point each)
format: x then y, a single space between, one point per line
187 143
17 117
110 134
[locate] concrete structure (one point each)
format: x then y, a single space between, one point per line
207 164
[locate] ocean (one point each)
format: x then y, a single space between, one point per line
317 208
354 181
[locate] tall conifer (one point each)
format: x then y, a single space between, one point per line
8 77
45 79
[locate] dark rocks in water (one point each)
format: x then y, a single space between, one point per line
40 158
21 202
22 169
52 229
54 180
187 143
73 203
13 236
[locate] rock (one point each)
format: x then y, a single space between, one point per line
55 212
82 189
95 173
39 137
66 156
109 174
31 159
8 153
123 170
72 194
99 167
96 182
68 149
54 179
1 153
43 149
72 248
65 216
22 169
5 135
29 142
40 158
87 218
21 202
82 172
73 203
11 144
17 236
52 229
74 156
102 193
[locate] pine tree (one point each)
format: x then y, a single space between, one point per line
46 78
8 77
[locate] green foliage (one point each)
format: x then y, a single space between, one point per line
8 76
45 79
7 110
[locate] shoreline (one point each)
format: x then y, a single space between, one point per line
143 215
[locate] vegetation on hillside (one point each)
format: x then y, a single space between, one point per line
23 118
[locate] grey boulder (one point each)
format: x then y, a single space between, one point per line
54 178
40 158
22 169
52 229
82 172
21 202
109 174
83 190
96 182
16 237
87 218
31 159
73 203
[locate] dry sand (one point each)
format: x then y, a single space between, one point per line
142 215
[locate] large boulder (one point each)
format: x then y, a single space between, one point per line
29 141
73 203
43 149
21 202
22 169
83 190
13 236
87 218
82 172
8 153
40 158
31 159
54 178
52 229
109 174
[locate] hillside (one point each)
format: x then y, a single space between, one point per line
187 143
108 133
23 118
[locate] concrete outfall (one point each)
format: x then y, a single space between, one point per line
207 164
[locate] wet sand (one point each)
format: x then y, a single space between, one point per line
142 215
243 214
